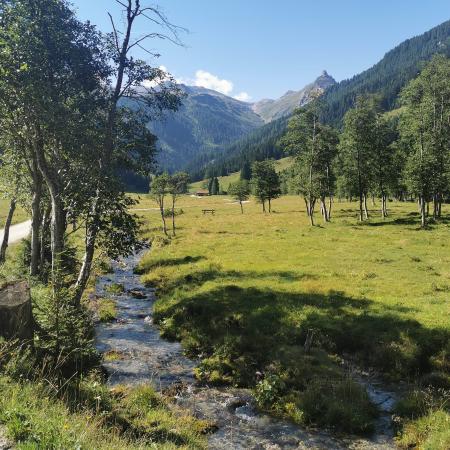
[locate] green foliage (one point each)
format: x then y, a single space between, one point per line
65 331
425 131
429 432
168 212
240 191
259 145
265 182
246 171
115 288
342 404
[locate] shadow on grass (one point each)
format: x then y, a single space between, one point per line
254 325
244 233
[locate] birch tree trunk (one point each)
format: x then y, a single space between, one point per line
361 206
173 216
423 212
45 228
36 220
366 211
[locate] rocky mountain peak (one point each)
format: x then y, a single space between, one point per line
324 80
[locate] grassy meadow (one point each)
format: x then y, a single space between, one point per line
280 164
246 291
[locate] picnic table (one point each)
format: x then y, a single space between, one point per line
209 211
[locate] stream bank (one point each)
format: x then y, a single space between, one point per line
135 353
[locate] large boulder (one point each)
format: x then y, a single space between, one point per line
16 317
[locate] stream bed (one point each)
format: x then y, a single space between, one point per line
142 356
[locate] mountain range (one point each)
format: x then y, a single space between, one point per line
206 121
214 133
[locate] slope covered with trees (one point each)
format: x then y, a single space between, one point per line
259 145
206 121
388 76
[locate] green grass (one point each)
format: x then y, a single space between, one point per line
115 288
224 182
244 291
45 405
135 418
106 309
428 432
20 215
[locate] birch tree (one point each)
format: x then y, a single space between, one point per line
425 132
356 149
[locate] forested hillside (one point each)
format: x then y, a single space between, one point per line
258 145
206 121
389 75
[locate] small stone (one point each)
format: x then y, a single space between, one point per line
137 294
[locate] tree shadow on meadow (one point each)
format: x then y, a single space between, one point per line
259 323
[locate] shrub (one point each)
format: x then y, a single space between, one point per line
177 212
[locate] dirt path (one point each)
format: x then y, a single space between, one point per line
17 233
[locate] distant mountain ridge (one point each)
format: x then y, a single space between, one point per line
207 120
387 77
284 106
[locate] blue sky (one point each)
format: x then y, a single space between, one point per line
258 49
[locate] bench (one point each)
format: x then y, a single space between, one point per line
209 211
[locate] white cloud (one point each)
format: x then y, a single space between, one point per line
243 97
210 81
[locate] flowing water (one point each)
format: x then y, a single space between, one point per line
138 354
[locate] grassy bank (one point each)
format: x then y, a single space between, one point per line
245 292
35 417
57 398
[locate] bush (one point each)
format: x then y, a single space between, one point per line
115 288
168 212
